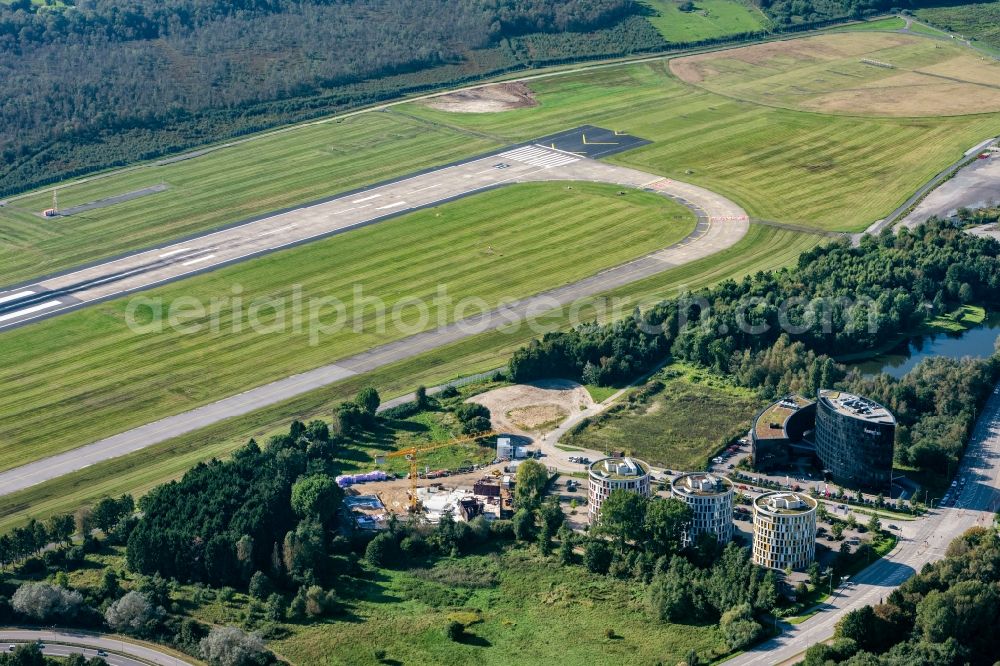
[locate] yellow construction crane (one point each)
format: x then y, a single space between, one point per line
411 454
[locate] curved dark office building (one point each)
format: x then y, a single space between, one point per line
854 440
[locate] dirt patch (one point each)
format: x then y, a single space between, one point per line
536 418
488 99
529 409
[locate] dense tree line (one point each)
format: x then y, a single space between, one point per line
264 510
778 332
810 11
944 615
103 82
839 299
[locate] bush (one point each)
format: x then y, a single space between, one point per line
229 646
597 556
454 630
738 627
403 411
45 602
382 551
260 586
133 614
474 418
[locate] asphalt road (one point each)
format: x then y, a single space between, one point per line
721 224
62 643
975 499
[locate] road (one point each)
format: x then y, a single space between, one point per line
721 224
922 541
64 642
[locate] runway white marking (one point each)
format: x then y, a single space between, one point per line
274 231
348 210
374 196
14 297
198 260
392 205
33 309
173 252
429 187
539 157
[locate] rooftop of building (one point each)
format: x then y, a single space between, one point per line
619 468
857 407
701 484
785 502
776 415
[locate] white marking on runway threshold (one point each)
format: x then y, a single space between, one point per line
33 309
348 210
198 260
274 231
173 252
374 196
14 297
539 156
392 205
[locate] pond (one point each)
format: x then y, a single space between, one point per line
977 342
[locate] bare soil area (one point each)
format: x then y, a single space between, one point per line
488 99
528 409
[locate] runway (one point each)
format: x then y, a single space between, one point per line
569 155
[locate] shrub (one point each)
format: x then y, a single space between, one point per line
43 602
738 627
382 551
133 614
597 556
454 630
229 646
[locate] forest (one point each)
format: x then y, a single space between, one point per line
100 83
779 332
946 614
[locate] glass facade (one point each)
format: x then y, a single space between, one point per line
857 451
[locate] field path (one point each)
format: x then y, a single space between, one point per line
721 224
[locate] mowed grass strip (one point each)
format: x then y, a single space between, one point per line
76 378
826 171
764 248
301 164
708 19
